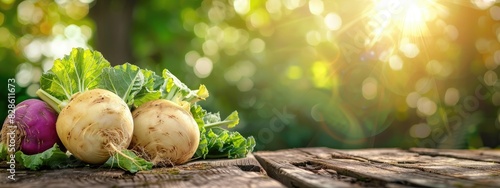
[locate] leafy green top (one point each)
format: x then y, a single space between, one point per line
77 72
124 80
134 85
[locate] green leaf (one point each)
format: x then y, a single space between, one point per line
52 158
77 72
198 113
177 91
232 120
151 89
3 151
144 96
216 142
222 143
153 82
174 90
124 80
129 161
213 120
202 92
50 82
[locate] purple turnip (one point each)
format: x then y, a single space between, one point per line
32 127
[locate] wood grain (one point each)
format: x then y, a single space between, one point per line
305 167
479 155
299 167
244 172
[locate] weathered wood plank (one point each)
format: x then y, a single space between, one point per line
484 173
401 172
280 166
244 172
478 155
302 167
296 168
377 167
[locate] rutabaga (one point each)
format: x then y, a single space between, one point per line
95 125
164 132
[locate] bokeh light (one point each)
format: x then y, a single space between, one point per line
316 7
333 21
44 30
395 62
352 73
369 88
451 96
483 4
203 67
420 130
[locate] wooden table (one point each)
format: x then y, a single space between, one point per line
302 167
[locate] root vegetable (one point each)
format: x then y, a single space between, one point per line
164 132
32 125
94 125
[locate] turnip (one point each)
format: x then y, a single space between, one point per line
94 125
32 126
164 132
95 122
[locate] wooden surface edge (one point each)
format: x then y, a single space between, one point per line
199 173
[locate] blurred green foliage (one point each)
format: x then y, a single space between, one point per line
343 74
32 35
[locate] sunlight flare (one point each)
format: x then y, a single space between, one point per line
406 18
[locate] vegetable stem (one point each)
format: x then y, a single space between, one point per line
132 163
172 93
49 99
218 124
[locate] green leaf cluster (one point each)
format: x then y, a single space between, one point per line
84 70
217 142
77 72
133 84
52 158
128 160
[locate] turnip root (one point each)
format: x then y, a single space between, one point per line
164 132
94 125
31 128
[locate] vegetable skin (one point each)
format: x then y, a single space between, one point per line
34 122
164 132
94 125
